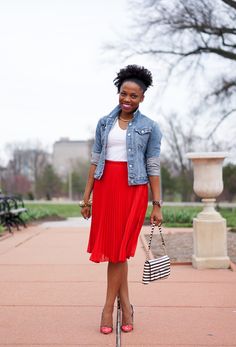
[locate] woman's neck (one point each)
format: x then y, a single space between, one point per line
126 116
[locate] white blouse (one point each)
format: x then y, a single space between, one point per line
116 144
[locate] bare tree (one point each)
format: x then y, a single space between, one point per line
27 160
178 140
188 35
79 177
49 184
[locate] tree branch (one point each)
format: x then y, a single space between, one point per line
219 51
220 121
226 44
224 89
198 50
209 30
231 3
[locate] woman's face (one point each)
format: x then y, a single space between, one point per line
130 97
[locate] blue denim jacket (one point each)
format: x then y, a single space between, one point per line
143 142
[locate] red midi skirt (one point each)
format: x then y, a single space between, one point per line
118 214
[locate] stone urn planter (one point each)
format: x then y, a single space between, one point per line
209 228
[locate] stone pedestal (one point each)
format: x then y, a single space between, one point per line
209 228
210 240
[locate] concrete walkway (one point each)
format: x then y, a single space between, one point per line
51 295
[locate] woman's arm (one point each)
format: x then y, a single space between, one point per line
154 171
96 151
156 214
86 211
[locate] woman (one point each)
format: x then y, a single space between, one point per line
125 158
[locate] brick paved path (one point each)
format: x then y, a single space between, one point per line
51 295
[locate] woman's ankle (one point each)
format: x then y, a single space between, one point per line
108 308
126 306
106 320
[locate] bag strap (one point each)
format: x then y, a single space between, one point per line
150 240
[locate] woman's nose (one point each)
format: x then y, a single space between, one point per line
127 98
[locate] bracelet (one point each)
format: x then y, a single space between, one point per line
157 202
82 203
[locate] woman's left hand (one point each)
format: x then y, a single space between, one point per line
86 212
156 216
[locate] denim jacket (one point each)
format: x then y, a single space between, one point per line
143 142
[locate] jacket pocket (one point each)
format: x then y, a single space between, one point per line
141 136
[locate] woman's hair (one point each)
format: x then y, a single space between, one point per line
135 73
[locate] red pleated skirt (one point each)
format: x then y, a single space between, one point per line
118 214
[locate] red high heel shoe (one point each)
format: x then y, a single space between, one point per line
105 329
127 328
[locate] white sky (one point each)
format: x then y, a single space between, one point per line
54 80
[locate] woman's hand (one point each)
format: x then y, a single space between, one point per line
156 215
86 212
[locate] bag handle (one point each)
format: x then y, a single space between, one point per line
150 240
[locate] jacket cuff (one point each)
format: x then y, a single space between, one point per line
153 166
95 158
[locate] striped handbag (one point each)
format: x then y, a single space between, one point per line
157 268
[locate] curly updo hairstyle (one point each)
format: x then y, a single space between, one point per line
135 73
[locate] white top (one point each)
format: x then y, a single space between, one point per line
116 144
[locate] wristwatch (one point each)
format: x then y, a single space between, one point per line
157 202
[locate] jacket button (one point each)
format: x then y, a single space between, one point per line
130 165
128 134
129 149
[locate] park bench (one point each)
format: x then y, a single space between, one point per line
11 210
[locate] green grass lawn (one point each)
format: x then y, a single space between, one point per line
173 216
177 216
39 211
230 215
1 229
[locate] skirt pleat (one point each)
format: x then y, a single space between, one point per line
118 214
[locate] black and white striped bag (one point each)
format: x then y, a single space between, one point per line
158 268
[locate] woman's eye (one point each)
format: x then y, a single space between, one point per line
133 96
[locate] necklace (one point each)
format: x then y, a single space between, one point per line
125 120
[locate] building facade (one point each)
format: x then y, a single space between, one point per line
67 154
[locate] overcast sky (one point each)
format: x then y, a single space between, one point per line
54 80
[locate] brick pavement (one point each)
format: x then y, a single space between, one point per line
51 295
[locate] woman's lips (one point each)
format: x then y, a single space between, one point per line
126 106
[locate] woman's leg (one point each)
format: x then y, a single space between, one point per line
123 290
124 297
114 279
117 284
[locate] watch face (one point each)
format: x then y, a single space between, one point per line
160 202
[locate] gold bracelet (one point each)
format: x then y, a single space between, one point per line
82 203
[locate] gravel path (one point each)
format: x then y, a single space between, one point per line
180 246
